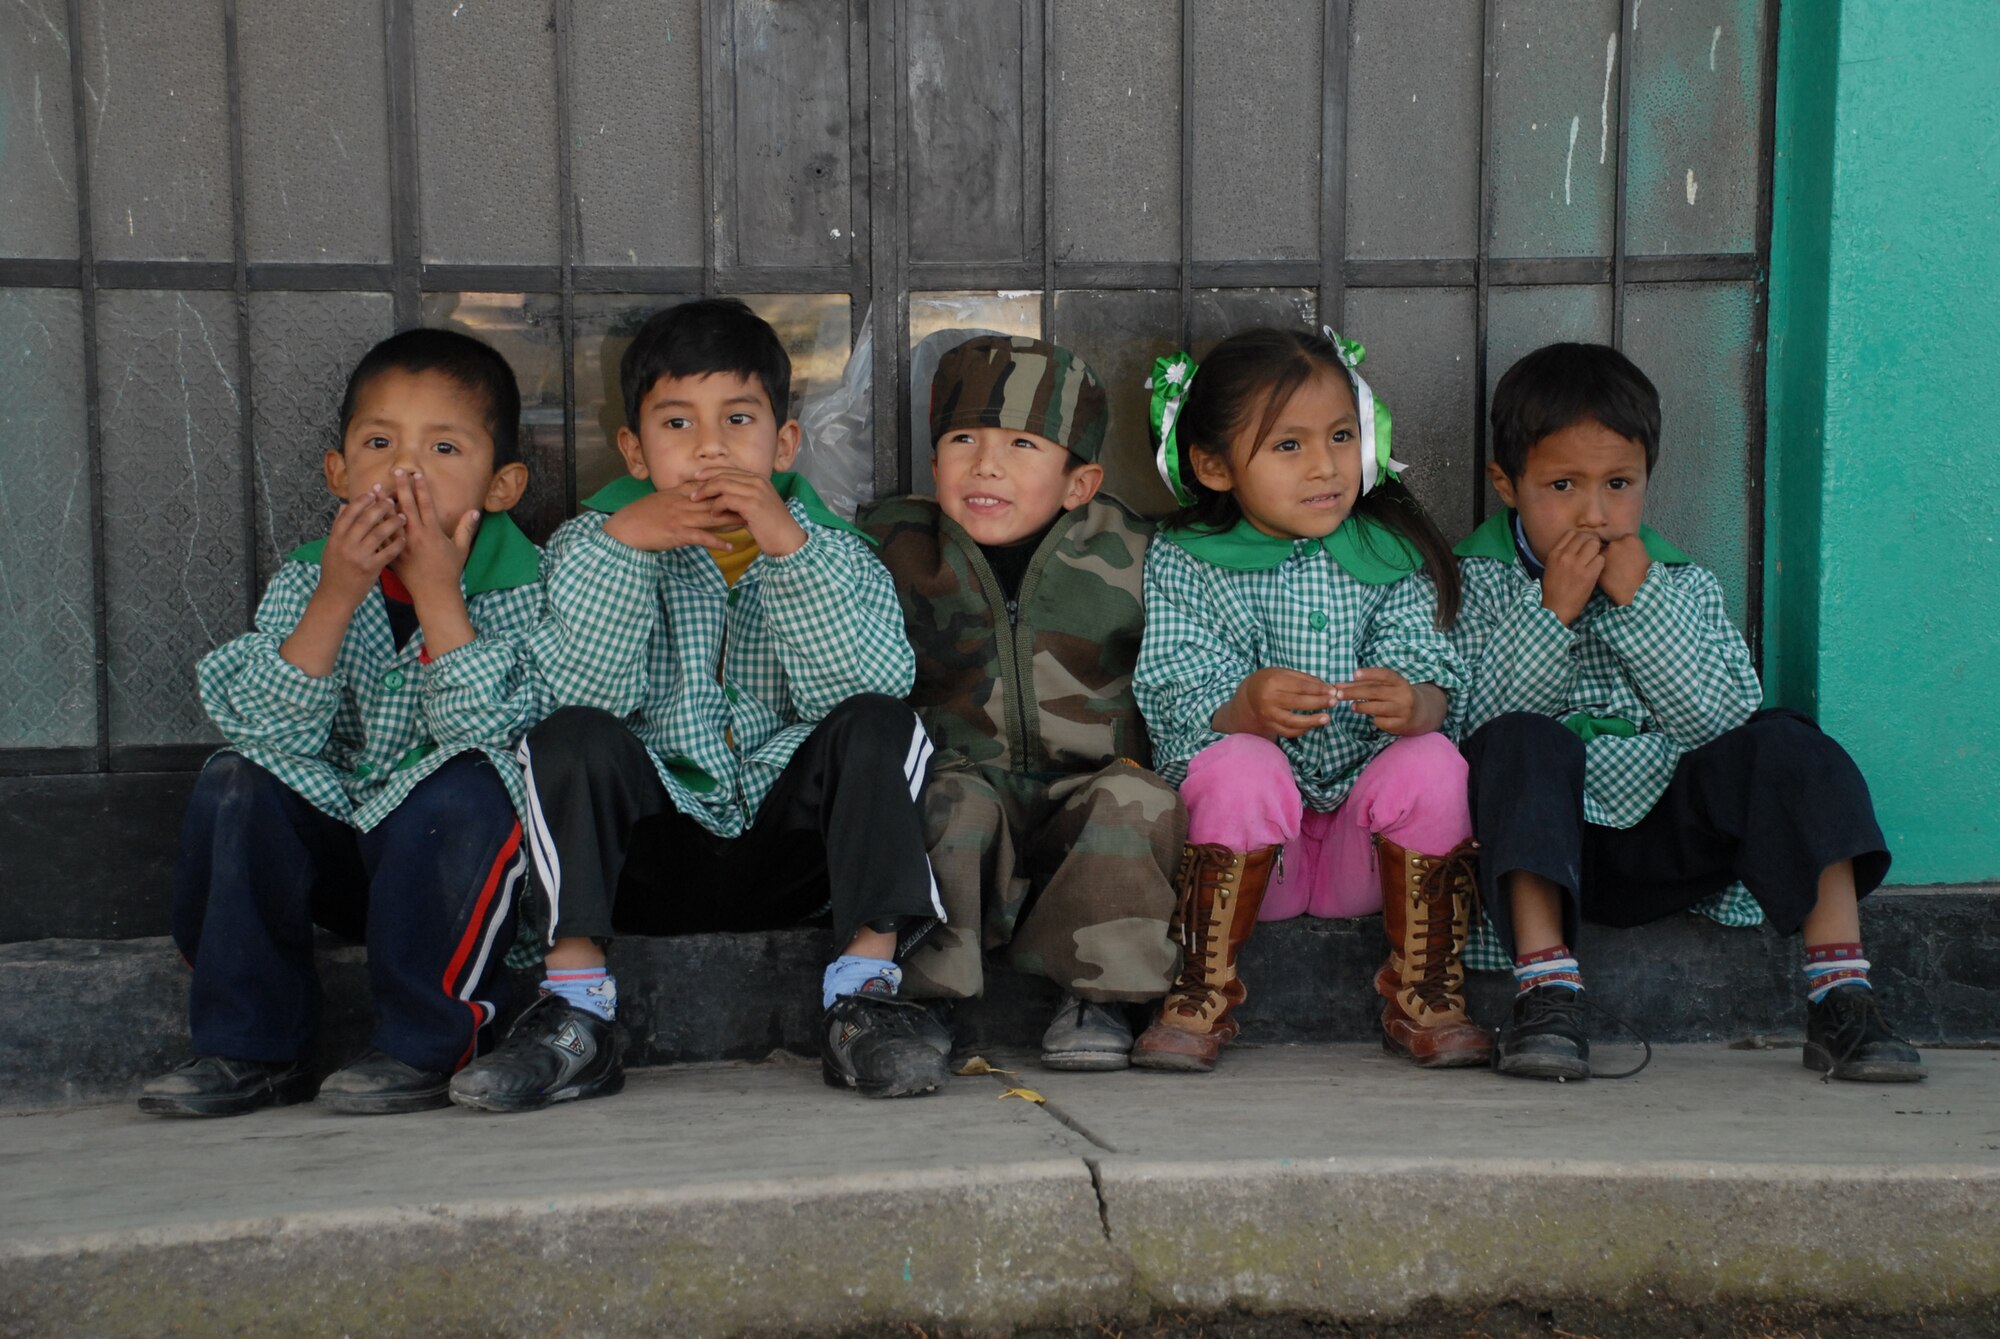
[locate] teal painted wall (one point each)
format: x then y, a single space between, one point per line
1884 393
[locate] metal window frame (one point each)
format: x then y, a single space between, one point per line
880 274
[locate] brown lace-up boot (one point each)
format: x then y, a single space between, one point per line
1220 892
1427 911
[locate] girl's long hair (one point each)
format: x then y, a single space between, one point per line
1247 379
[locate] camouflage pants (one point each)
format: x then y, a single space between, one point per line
1073 878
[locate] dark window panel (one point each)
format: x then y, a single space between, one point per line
48 693
1413 107
1220 312
486 131
1120 334
1422 361
527 330
37 136
1115 132
156 100
175 540
315 130
790 112
636 127
1257 129
303 345
965 145
1697 343
1555 127
1697 124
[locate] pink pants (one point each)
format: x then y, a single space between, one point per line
1240 794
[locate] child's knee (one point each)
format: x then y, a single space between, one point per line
1235 761
962 811
1424 762
230 785
571 738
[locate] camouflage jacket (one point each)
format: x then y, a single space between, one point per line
1042 685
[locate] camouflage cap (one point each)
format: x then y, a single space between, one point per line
1027 385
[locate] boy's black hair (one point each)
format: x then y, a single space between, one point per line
473 364
1560 385
1254 373
700 337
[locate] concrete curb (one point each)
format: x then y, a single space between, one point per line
1050 1242
114 1012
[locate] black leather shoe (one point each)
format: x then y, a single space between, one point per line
1544 1037
1847 1038
378 1084
880 1046
555 1052
212 1085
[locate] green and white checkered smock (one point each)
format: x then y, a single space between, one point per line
1670 663
641 635
356 741
1221 607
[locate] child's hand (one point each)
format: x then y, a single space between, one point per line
1276 704
368 534
1626 563
432 559
668 520
1570 573
1398 706
751 499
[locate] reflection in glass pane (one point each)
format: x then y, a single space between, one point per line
1120 333
1013 312
48 693
527 330
1220 312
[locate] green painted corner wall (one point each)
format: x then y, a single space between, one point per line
1884 400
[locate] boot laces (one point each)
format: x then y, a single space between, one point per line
1435 986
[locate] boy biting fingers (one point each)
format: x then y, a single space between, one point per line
1626 563
1575 563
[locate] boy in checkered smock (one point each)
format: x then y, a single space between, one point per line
368 784
723 659
1621 769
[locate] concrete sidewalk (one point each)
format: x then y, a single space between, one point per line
1324 1180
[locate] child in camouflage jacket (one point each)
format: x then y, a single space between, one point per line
1021 593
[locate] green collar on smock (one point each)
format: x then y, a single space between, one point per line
791 486
1363 547
1495 539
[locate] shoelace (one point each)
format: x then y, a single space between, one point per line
1856 1012
1540 1008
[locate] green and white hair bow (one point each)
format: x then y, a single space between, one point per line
1376 462
1173 378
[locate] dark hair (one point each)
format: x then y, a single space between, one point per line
475 365
1251 375
1560 385
700 337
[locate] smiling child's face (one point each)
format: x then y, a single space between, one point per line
1299 479
1002 484
1584 477
692 425
428 422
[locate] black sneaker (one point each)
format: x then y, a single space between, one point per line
881 1046
212 1085
1544 1037
378 1084
555 1052
1847 1038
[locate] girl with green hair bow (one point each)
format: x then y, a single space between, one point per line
1294 678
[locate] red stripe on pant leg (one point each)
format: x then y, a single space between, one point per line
475 930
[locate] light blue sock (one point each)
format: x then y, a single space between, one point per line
850 974
591 989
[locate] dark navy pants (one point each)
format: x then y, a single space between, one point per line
431 892
1772 802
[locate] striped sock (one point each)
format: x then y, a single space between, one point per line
592 989
1549 967
1830 965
